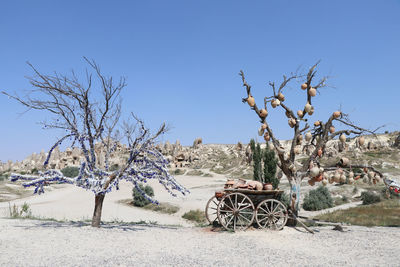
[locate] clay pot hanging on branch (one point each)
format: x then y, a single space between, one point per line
260 131
292 122
300 113
251 101
264 126
297 150
281 97
311 111
308 136
263 113
275 103
304 86
317 123
342 138
343 178
267 137
336 177
299 139
319 177
332 129
361 140
344 161
307 107
312 92
337 114
314 171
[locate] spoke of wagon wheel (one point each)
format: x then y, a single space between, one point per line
246 212
243 200
227 211
263 219
272 205
234 223
236 202
267 207
216 203
244 217
275 207
233 206
266 223
267 212
230 220
248 206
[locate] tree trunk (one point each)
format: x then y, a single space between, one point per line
98 205
294 198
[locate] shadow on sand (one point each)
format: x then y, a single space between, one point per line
124 226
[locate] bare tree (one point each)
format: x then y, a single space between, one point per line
90 113
315 140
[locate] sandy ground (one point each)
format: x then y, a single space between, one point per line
38 243
174 241
72 203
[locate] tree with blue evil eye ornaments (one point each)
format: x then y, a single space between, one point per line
89 113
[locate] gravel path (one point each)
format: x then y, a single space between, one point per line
38 243
340 207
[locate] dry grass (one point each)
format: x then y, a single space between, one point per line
197 216
194 173
385 213
163 208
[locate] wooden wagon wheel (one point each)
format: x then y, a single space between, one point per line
211 210
235 211
271 214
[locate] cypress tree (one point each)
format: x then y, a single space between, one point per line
258 176
270 164
256 150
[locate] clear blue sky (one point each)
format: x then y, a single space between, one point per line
181 60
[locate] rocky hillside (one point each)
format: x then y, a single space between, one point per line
381 151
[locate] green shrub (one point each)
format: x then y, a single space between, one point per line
368 197
318 199
70 171
138 199
197 216
3 177
179 172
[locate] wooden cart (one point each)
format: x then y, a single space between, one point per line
238 209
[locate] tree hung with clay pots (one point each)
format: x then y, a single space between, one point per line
315 138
